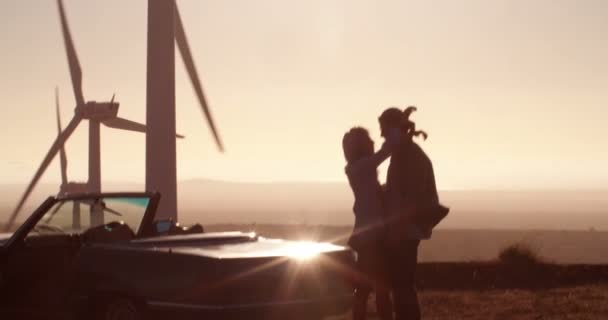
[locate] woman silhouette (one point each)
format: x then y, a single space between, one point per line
366 239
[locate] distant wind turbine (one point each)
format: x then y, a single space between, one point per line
96 113
66 187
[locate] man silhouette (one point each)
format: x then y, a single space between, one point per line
412 206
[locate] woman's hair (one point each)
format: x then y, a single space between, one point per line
394 117
353 144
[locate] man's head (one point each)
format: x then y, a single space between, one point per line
394 118
357 144
391 118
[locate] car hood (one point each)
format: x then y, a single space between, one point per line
231 245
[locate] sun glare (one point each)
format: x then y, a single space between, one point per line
305 250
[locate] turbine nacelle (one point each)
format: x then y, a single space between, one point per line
99 111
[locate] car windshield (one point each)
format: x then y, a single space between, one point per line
75 216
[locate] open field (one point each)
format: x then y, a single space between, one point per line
459 289
456 288
565 247
584 303
457 245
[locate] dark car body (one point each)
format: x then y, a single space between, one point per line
48 271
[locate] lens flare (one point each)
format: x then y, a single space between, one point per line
304 250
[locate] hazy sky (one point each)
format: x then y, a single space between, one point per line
513 93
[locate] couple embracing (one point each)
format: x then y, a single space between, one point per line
390 220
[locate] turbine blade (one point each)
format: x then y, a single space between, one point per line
124 124
104 208
59 142
75 71
114 212
62 154
184 49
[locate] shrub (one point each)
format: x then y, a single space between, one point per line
519 254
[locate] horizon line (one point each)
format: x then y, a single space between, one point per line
332 182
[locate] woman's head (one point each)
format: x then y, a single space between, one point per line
357 144
394 118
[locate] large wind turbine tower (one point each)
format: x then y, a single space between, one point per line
161 169
165 30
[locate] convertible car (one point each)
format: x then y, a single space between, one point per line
106 257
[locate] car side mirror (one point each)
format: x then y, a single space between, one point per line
163 226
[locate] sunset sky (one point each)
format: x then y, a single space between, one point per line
513 93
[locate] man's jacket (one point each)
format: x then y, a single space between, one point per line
411 184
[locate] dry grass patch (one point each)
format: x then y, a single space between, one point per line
579 303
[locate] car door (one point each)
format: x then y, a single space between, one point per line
38 266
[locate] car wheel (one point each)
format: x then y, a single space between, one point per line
121 309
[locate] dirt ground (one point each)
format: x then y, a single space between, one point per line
588 302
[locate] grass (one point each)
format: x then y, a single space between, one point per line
572 303
516 262
586 302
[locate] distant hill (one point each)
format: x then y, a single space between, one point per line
323 211
213 202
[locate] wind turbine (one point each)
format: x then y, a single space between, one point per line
66 187
96 113
165 30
